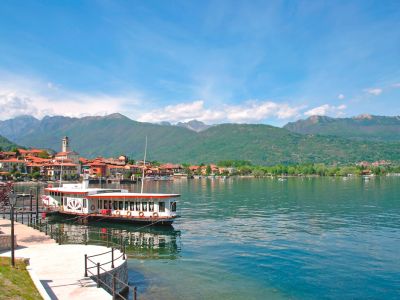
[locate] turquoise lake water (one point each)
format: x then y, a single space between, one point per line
303 238
265 239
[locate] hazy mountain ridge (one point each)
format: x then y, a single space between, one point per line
262 144
17 126
194 125
362 127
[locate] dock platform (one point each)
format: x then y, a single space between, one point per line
58 270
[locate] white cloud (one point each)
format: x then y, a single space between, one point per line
251 111
396 85
341 96
374 91
19 96
13 105
326 109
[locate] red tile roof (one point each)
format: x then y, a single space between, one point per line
15 160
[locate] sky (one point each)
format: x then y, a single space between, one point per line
267 62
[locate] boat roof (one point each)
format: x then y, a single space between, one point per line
131 195
80 191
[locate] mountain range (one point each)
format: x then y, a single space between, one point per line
116 134
363 127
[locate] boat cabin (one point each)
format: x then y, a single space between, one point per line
110 203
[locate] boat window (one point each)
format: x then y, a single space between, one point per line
65 201
132 205
126 205
144 206
137 206
121 205
151 206
173 206
84 203
115 205
161 206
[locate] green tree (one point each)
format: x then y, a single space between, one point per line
208 170
36 175
17 153
44 154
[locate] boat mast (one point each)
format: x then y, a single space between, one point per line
144 166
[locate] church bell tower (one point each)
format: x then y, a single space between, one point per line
65 144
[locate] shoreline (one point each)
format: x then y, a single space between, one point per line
235 176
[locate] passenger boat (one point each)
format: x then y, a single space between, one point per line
111 204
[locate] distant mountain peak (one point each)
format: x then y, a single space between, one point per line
318 118
194 125
115 116
363 117
165 123
25 117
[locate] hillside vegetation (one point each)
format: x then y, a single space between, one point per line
261 144
5 144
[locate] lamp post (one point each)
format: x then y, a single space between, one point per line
12 197
37 201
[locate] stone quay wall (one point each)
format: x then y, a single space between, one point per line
121 273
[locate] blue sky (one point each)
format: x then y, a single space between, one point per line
216 61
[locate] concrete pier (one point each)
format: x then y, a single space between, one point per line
58 270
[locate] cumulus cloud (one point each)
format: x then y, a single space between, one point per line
20 96
12 105
374 91
326 109
340 96
251 111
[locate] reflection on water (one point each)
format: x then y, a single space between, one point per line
141 242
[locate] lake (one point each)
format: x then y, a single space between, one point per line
242 238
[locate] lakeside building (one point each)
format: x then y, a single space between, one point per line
32 162
31 152
8 154
56 169
13 165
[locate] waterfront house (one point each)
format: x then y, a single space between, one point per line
169 169
8 154
31 152
13 165
117 172
54 169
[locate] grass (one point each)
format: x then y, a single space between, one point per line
15 283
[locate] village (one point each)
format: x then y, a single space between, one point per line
68 165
